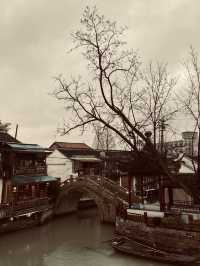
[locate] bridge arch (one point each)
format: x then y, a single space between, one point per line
103 191
68 200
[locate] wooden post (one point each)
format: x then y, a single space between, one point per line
129 190
198 156
161 195
45 161
190 217
145 218
142 189
170 193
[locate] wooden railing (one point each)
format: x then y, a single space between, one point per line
26 204
101 183
22 207
30 170
136 218
5 210
185 203
170 222
186 206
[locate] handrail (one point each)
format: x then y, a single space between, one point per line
105 183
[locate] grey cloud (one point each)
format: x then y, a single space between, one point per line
35 36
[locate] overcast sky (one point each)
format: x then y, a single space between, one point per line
35 35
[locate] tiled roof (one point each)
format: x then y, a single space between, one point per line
70 146
27 147
73 152
85 158
116 154
5 137
71 149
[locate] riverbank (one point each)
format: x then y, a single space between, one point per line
25 220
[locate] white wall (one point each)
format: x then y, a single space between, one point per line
58 165
179 194
187 166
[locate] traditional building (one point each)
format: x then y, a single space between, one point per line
115 164
26 191
153 226
5 138
24 173
71 159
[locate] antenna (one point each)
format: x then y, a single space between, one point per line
16 131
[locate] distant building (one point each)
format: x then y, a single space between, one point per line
187 145
115 163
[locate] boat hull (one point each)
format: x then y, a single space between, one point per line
140 250
25 220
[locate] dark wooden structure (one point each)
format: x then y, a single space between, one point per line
165 224
156 179
26 189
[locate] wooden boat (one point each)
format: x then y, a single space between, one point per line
135 248
86 203
157 235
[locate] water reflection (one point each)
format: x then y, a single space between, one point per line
78 240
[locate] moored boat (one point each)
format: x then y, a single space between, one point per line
159 235
135 248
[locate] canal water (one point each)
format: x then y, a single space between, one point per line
74 240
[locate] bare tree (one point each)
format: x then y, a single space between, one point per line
111 91
103 138
156 102
110 96
190 99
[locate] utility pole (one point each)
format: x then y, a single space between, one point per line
162 129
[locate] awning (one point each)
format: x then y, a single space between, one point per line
149 213
32 179
86 159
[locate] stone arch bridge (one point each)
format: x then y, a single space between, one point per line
105 193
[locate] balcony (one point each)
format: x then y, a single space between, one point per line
39 170
185 206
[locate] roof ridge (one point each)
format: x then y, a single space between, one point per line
71 145
70 142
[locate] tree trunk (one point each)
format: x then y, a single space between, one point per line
154 135
198 156
130 181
